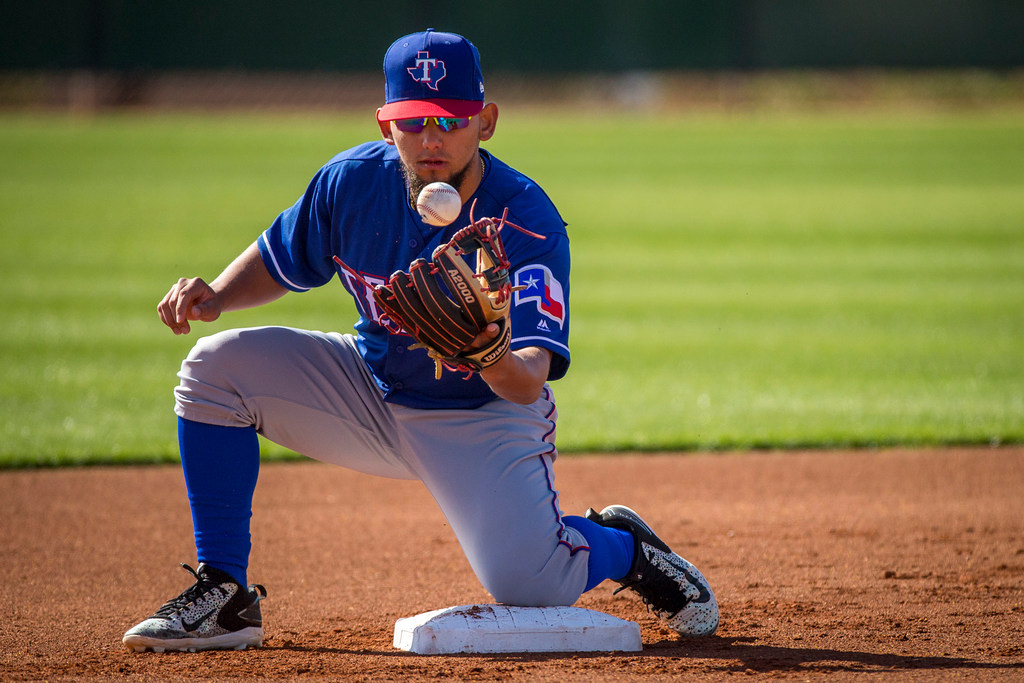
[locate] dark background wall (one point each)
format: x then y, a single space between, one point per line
524 36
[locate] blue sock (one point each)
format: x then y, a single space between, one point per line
221 465
611 550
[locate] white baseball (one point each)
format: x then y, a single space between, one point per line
439 204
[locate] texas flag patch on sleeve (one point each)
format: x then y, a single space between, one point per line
541 286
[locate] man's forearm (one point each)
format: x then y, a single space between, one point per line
246 282
520 375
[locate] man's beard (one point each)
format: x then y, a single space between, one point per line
415 184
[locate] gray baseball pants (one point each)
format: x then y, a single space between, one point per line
489 469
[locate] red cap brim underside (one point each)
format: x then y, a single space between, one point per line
414 109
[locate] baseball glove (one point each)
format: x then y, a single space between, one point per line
444 304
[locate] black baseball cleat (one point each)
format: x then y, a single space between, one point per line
670 586
216 613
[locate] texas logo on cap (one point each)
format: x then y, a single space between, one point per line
431 74
427 71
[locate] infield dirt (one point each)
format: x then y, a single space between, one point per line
841 564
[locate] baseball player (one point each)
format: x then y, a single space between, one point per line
474 422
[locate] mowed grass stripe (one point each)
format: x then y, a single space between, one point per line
738 281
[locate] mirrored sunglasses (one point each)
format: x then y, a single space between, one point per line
445 123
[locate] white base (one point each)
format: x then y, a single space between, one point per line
502 628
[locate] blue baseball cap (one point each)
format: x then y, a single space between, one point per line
431 74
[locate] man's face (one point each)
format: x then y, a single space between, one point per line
435 155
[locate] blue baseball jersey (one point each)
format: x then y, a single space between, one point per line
357 208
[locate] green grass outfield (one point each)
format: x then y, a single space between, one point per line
739 281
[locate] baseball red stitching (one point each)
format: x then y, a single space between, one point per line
427 208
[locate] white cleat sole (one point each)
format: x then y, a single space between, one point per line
238 640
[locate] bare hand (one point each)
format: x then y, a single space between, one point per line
188 299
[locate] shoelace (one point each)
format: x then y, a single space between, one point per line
648 603
632 585
200 588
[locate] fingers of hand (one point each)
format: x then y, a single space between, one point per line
485 337
183 303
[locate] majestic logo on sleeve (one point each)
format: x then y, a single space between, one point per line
427 71
541 286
